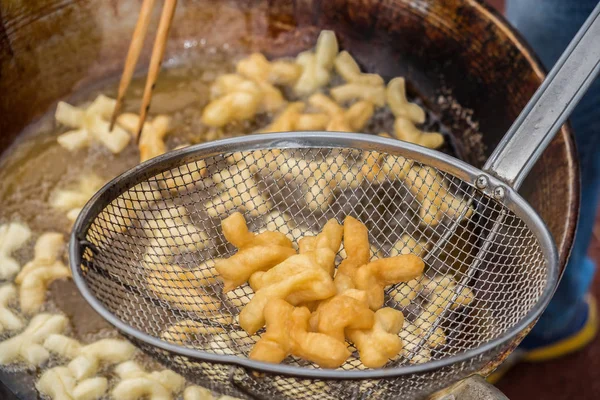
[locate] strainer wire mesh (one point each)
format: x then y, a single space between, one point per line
150 242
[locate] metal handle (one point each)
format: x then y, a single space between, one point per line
550 106
472 388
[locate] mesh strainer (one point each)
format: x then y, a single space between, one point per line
165 214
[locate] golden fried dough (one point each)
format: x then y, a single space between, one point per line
330 237
324 246
346 310
356 245
298 279
399 104
288 334
378 274
180 292
237 269
236 232
405 129
431 190
258 68
257 252
380 343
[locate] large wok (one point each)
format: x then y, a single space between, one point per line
471 68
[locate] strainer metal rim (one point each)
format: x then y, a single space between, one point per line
314 139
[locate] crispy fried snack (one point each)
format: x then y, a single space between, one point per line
245 196
318 192
396 166
188 175
236 98
187 330
257 252
231 107
230 83
315 177
169 233
292 118
377 166
432 192
356 245
278 72
405 129
348 69
282 222
349 310
73 199
437 284
440 290
329 238
411 337
235 176
136 383
343 120
236 232
288 334
152 141
317 65
442 299
378 274
343 282
407 245
324 246
298 279
63 346
38 273
256 281
237 269
286 120
180 292
398 103
32 292
372 168
380 343
13 235
91 125
8 319
198 393
47 251
437 338
361 91
241 295
59 383
203 275
289 267
356 241
88 359
406 292
27 345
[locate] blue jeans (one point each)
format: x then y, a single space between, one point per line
549 26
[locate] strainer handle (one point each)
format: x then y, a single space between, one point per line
550 106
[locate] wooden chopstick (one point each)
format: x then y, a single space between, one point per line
155 61
133 54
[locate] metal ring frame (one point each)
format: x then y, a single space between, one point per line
512 200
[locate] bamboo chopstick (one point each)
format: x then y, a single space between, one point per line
133 54
155 61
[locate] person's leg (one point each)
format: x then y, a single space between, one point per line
549 26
